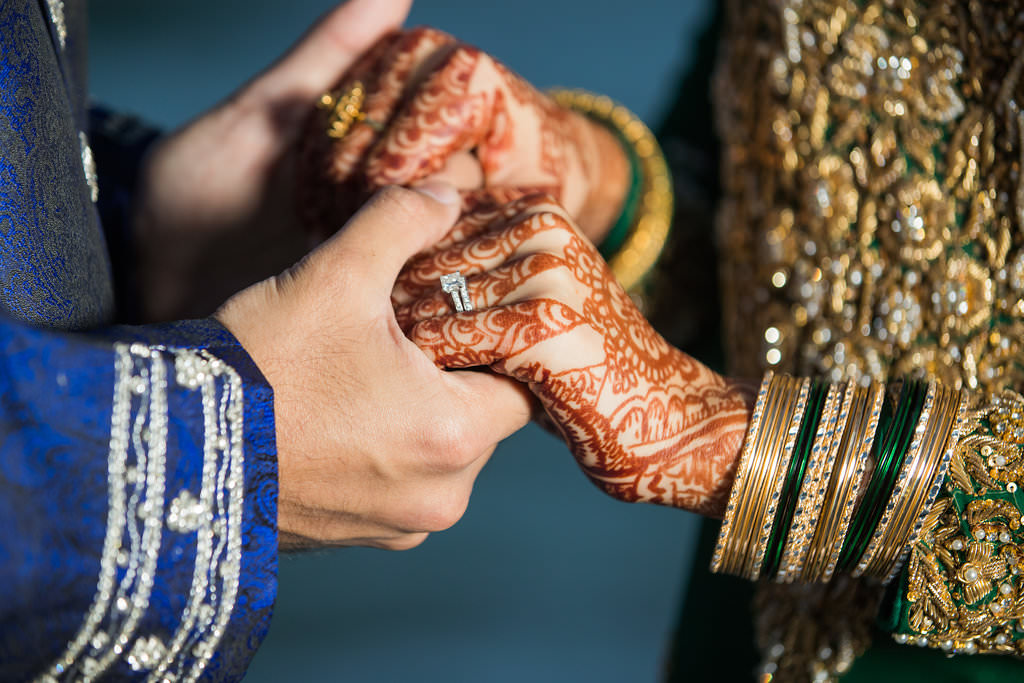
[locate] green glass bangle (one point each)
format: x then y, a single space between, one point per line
884 434
794 479
618 233
889 461
883 450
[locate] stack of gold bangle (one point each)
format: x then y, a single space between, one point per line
918 483
650 222
852 458
812 491
781 446
754 496
793 512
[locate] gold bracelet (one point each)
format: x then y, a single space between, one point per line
937 478
753 476
841 497
796 405
894 507
909 487
938 435
830 476
722 558
760 471
807 506
649 229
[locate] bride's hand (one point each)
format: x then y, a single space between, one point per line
430 101
645 421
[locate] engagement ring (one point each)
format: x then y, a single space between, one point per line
455 285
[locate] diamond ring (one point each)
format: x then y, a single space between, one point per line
455 285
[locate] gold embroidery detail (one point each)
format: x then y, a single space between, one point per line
964 582
873 226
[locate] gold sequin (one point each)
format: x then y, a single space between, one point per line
873 226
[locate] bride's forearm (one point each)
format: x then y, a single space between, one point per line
674 438
711 450
710 421
609 167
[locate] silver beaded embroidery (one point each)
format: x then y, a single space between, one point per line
186 513
89 167
60 26
135 520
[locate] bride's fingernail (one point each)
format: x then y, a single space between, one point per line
439 191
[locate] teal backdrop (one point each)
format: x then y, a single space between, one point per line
545 579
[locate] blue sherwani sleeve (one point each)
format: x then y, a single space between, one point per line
138 481
138 501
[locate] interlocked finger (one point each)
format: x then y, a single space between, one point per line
444 116
398 70
333 185
508 283
495 336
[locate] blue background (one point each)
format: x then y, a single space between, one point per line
545 579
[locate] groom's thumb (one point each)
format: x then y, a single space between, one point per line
395 224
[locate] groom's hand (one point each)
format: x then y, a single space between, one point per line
376 445
216 208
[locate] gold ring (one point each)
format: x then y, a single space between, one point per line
346 109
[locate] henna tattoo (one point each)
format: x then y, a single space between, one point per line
332 182
645 421
463 340
472 102
480 233
483 292
429 97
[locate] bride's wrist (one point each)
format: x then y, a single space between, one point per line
731 429
610 181
637 181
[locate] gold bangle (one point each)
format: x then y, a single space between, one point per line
940 430
894 507
939 476
779 463
747 494
841 497
760 465
908 488
830 475
807 506
722 558
649 229
933 442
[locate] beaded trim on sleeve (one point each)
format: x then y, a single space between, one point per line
139 516
964 588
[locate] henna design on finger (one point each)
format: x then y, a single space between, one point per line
520 136
331 181
392 75
490 337
484 292
428 97
490 243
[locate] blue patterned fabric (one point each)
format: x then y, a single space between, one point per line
55 438
138 483
53 261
